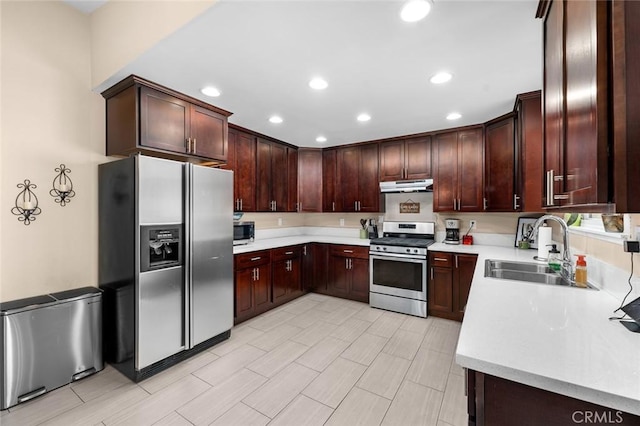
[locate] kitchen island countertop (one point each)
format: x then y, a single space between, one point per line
554 338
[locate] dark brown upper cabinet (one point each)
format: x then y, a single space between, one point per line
591 105
145 117
405 159
242 160
458 164
500 165
272 176
330 202
309 180
529 148
358 189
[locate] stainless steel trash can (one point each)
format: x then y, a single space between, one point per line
48 342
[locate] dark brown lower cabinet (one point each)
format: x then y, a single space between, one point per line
494 401
349 272
315 267
449 283
286 270
252 284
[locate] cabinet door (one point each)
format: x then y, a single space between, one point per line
470 170
586 136
368 184
209 134
440 290
245 172
294 282
348 177
280 281
463 275
279 177
262 289
500 166
310 185
263 176
392 161
554 94
164 121
359 289
292 180
418 158
321 266
329 176
445 172
339 276
530 149
244 292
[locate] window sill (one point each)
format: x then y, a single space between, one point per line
612 237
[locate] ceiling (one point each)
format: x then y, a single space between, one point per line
262 54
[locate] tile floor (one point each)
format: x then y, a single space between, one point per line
317 360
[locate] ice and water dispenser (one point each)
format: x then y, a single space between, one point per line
160 247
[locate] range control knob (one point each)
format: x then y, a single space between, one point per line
408 250
384 248
415 250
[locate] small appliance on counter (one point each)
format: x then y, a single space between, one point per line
452 226
243 232
372 229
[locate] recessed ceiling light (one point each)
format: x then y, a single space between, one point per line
210 91
453 116
415 10
441 77
364 117
318 83
321 139
275 119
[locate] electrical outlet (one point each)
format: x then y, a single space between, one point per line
279 221
341 222
631 246
472 224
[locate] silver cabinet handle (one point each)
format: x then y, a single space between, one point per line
275 205
333 206
561 197
440 259
348 251
258 274
237 204
516 206
253 259
304 250
431 273
240 204
346 263
194 146
188 143
299 207
355 206
456 261
454 204
484 203
253 274
288 252
549 191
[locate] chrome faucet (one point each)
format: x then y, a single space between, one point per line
567 266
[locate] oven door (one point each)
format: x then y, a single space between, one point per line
398 275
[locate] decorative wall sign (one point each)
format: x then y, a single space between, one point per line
409 206
62 186
26 204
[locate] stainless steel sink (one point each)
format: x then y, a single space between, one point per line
528 272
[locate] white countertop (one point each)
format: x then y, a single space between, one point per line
554 338
269 243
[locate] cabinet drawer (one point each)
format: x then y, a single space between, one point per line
441 259
255 258
284 253
359 252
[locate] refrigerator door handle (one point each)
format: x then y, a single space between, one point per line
188 267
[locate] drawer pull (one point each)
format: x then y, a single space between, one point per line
253 259
288 252
348 251
440 259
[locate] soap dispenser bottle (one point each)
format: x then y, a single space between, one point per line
581 271
554 261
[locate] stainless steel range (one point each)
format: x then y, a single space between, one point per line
398 267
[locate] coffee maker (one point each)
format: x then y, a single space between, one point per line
372 229
452 226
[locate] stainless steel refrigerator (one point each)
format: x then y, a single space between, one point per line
165 261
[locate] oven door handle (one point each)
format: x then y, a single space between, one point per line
398 257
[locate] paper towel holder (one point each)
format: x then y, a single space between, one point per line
525 231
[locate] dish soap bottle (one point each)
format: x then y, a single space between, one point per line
554 261
581 271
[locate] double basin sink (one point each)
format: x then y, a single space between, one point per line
527 272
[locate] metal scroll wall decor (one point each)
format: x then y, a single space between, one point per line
26 205
62 191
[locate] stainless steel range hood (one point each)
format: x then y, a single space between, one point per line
418 185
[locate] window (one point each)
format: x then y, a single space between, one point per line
592 224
